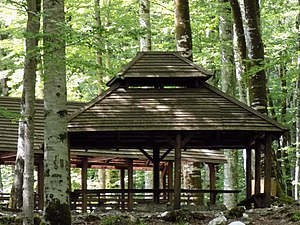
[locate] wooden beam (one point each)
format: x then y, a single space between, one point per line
84 173
170 181
165 154
122 186
146 154
177 184
156 154
257 169
268 171
212 182
130 183
248 172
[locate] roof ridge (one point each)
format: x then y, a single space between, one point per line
245 106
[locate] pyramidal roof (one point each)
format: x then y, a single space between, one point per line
161 65
187 108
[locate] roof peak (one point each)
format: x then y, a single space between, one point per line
152 66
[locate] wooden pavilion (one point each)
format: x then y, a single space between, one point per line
93 158
161 102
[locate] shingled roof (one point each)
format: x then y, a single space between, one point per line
203 107
9 139
9 127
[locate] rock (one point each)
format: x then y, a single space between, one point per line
164 214
220 220
237 223
245 215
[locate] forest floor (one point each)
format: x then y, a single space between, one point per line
276 215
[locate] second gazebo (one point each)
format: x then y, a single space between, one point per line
161 101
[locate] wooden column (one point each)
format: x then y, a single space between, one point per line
177 182
268 171
122 187
257 169
40 171
212 182
84 183
248 173
156 154
170 181
130 183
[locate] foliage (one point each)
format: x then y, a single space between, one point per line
120 42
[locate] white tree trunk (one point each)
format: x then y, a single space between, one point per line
56 154
100 49
228 86
145 40
33 26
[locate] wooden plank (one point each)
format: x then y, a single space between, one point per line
177 176
257 170
248 172
130 183
156 174
268 170
212 182
84 183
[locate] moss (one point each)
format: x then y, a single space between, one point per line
295 216
183 216
120 220
57 213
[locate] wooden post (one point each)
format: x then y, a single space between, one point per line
177 182
170 181
257 169
122 187
84 183
268 170
212 182
40 171
248 173
156 154
130 183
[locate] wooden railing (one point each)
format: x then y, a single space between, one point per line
130 198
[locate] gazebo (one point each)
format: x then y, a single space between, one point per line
160 101
93 158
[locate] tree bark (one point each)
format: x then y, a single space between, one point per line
241 50
296 175
183 33
228 86
258 80
145 40
57 166
100 49
33 27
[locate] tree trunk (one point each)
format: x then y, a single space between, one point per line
258 80
4 89
16 200
183 33
228 86
145 40
33 27
296 178
99 50
56 155
241 50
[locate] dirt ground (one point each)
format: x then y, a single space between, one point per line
276 215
